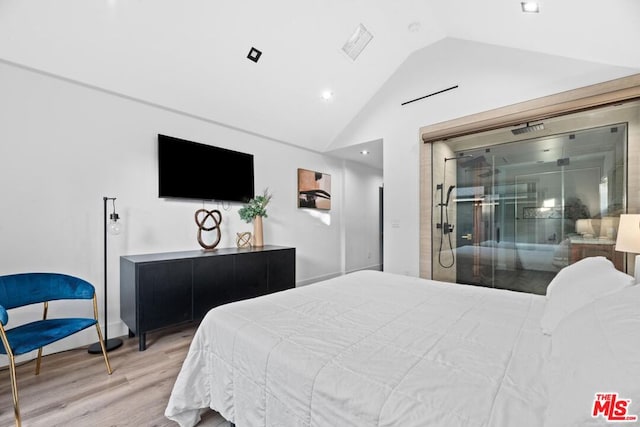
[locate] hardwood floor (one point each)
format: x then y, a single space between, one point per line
74 389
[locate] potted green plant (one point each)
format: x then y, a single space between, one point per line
254 211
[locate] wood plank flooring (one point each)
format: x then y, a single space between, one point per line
74 389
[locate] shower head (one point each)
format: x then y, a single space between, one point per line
451 187
528 128
466 156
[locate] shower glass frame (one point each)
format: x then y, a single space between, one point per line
543 223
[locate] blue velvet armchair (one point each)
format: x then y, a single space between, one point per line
18 290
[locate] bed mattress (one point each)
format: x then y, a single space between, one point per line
369 349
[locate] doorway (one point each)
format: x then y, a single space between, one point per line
381 225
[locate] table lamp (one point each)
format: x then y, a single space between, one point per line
585 227
629 238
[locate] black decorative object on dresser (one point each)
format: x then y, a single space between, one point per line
165 289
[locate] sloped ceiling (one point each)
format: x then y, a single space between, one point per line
190 56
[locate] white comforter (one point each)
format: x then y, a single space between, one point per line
369 349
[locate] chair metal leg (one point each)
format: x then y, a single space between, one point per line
14 390
100 339
104 350
12 375
38 360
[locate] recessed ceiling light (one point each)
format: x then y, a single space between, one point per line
530 6
327 95
364 152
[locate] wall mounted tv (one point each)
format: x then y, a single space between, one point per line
191 170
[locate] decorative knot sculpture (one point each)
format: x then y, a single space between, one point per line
243 240
201 217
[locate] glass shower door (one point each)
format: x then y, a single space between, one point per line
478 204
526 209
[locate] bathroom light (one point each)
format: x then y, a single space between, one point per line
530 7
364 152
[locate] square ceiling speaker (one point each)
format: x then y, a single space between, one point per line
254 54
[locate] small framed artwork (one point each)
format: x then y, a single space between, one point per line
314 189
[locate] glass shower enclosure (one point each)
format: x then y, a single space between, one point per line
511 215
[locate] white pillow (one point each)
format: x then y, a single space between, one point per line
595 349
577 285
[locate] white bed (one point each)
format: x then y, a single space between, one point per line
516 256
375 349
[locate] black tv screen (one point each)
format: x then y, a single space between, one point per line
191 170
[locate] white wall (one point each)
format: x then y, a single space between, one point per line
64 146
488 77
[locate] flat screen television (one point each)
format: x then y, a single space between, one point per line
191 170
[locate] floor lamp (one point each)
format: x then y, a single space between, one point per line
114 228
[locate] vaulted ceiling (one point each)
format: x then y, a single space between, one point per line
191 56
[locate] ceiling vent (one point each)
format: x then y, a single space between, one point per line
357 42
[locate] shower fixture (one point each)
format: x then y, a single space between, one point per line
465 156
451 187
444 226
528 128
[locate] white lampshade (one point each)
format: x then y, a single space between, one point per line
629 239
584 226
629 234
608 226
